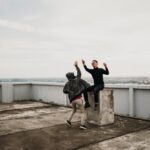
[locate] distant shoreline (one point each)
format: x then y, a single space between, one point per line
108 80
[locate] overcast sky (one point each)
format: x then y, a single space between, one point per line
42 38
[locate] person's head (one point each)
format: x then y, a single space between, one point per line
70 75
94 63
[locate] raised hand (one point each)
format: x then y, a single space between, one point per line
83 62
76 63
105 65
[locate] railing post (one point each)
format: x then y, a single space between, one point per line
131 101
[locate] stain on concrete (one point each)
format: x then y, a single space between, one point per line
134 141
45 129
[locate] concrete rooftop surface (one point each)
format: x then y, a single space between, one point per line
31 125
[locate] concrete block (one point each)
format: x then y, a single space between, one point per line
104 115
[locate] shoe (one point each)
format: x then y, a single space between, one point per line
68 122
83 127
86 105
96 106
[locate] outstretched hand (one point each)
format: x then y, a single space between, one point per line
105 65
76 63
83 62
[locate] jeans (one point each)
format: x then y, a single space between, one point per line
95 89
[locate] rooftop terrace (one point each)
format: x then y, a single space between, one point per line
31 125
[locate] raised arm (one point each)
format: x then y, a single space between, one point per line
85 67
106 71
78 70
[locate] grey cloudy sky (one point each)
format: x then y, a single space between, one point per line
42 38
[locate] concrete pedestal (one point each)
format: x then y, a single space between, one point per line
104 115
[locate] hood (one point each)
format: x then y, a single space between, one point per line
70 76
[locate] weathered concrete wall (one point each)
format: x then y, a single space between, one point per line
22 91
142 103
0 93
7 92
49 93
121 101
105 113
131 100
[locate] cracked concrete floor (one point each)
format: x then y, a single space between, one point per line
33 125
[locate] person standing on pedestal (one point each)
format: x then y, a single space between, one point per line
97 75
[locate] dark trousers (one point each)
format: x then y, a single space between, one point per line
95 89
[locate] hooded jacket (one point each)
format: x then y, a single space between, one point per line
75 85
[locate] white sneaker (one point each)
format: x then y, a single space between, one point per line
83 127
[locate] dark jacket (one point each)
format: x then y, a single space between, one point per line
97 74
75 85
